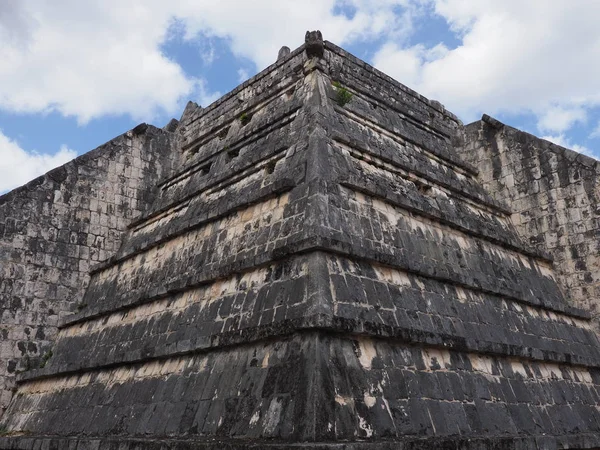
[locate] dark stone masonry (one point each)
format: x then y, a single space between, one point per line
321 259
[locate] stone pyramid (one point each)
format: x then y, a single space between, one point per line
321 272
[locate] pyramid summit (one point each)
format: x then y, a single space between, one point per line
321 259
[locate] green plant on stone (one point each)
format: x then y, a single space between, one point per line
343 95
245 118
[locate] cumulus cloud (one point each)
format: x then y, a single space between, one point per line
559 119
406 64
256 30
18 166
15 24
103 57
88 59
77 64
513 57
243 75
205 96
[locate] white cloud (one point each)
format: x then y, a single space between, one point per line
18 166
98 57
564 141
15 24
513 57
208 52
406 64
596 132
559 119
243 75
204 96
88 59
256 30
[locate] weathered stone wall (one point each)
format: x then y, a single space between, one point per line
554 194
55 228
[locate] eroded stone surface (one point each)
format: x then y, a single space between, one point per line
555 197
54 229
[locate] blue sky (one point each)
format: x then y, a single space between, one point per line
75 74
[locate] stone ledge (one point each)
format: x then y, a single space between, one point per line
337 325
278 187
245 84
368 68
541 442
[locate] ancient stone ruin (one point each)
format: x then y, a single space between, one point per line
321 259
